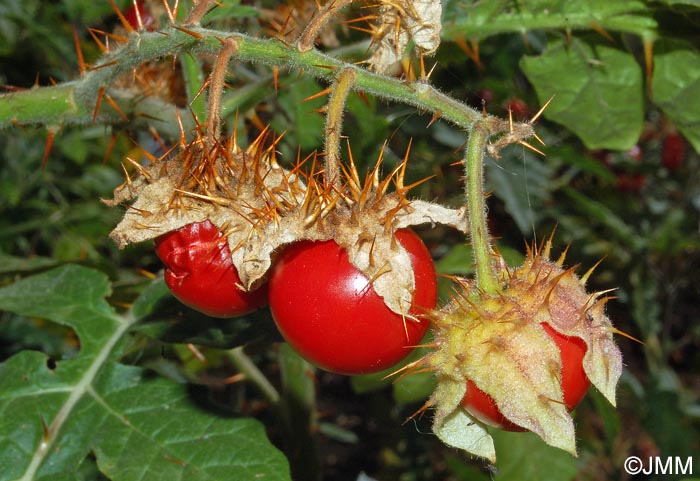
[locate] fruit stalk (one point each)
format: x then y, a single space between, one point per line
216 88
334 125
476 206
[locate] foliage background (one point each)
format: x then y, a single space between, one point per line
605 185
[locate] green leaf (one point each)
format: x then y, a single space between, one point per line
10 264
483 19
53 414
597 91
525 457
676 87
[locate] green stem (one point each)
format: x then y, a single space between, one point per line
299 415
334 125
486 279
74 102
252 374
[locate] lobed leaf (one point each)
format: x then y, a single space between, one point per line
597 91
53 414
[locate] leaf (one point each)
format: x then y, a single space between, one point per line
53 414
23 264
524 457
676 86
597 91
476 20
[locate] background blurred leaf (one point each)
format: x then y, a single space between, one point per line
597 91
525 457
676 80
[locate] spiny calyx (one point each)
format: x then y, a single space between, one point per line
261 206
498 342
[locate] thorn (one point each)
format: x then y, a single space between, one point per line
49 142
93 33
510 120
98 102
534 149
318 94
596 27
125 23
169 12
187 31
114 105
562 256
537 137
539 112
435 118
648 45
472 51
587 275
196 352
108 64
140 168
110 146
548 245
275 78
137 10
624 334
363 97
79 51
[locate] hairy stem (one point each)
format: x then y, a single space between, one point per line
74 102
476 205
216 89
334 125
325 15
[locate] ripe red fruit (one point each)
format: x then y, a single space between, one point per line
674 150
132 16
574 383
328 312
200 273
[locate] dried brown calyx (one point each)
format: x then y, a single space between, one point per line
402 21
498 342
261 206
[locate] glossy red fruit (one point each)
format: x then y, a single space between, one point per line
673 152
574 384
132 15
328 312
199 272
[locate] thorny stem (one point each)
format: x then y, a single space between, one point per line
325 14
476 205
216 88
334 125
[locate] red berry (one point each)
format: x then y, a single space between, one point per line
327 311
200 273
674 150
574 384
